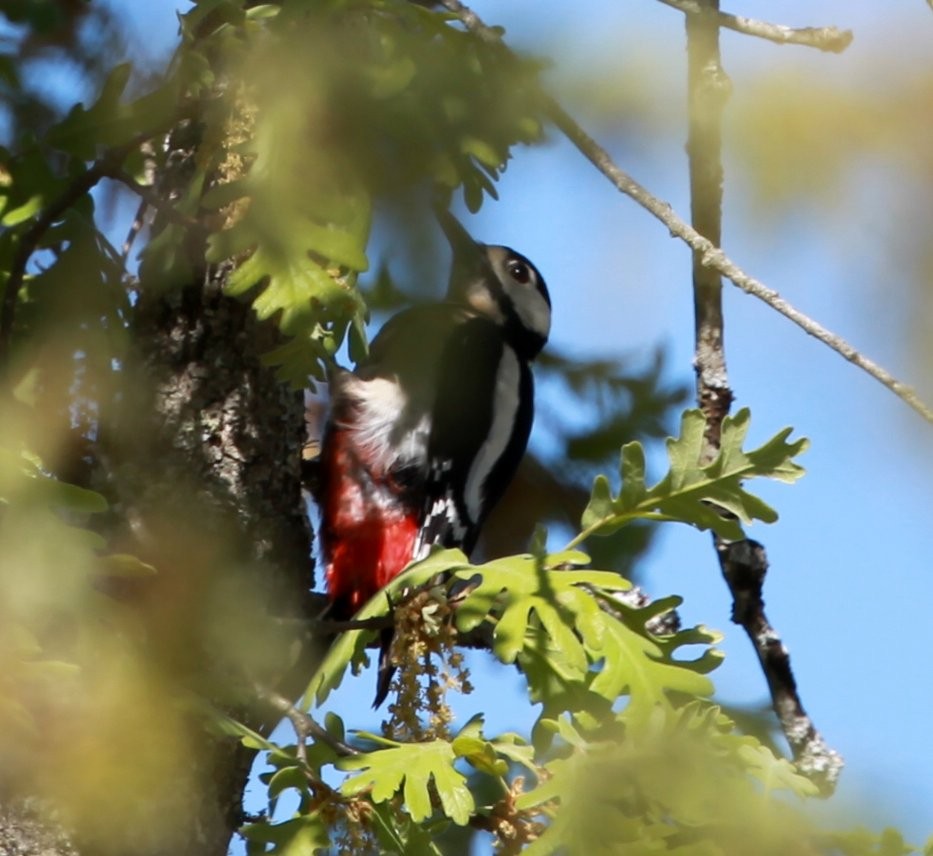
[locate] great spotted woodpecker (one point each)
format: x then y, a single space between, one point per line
427 432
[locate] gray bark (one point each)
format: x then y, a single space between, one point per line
205 453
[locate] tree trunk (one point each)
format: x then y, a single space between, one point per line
205 452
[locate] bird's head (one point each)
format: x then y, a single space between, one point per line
501 284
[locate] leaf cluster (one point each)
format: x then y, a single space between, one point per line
627 755
294 148
298 169
613 695
50 554
624 725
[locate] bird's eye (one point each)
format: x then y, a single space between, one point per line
519 271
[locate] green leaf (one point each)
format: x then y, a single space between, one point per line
287 778
390 80
400 835
410 769
225 725
301 836
516 749
126 565
23 212
481 753
650 785
482 151
78 132
519 588
288 286
21 475
692 493
634 664
301 359
579 646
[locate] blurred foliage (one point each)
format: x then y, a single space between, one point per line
812 134
801 140
264 151
40 35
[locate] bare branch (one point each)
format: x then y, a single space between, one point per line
708 91
710 254
713 257
153 200
744 565
830 39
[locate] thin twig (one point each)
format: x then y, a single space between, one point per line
153 200
304 724
713 257
135 228
830 39
710 255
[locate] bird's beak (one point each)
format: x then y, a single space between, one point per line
469 256
458 237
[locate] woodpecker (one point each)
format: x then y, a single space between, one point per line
425 435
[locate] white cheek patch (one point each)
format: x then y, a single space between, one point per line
481 299
530 306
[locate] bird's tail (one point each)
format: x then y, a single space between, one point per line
385 671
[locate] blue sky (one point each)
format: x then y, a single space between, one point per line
851 583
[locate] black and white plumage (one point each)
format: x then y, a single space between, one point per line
484 400
428 431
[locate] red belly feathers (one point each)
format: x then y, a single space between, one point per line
367 532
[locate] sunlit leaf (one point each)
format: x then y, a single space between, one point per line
411 769
691 492
301 836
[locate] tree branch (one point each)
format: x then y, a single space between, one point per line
743 563
710 255
153 200
830 39
328 626
708 90
713 257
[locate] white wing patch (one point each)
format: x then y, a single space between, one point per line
444 508
504 411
